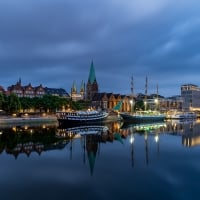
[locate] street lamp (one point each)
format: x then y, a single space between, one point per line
156 102
131 102
145 105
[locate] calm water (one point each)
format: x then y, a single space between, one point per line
123 161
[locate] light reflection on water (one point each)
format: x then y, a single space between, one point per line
116 161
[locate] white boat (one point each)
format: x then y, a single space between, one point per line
81 117
181 115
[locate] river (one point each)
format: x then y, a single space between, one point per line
113 161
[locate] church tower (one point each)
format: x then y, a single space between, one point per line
82 90
73 89
92 85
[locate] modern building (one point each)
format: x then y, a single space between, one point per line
92 86
190 94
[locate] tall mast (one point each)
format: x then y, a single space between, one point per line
132 86
132 90
156 101
145 99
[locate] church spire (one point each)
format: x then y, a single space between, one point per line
92 77
82 89
74 89
92 85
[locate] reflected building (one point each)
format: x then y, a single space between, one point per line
191 137
27 140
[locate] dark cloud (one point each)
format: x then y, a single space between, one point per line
54 41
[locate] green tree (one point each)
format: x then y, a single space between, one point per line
13 103
2 100
26 103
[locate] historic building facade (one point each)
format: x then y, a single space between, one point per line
26 91
38 91
107 101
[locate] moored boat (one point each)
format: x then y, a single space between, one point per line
143 117
181 115
81 117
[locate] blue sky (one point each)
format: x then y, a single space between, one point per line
54 41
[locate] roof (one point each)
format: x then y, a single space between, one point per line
98 96
92 77
56 91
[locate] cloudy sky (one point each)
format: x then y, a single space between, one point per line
52 42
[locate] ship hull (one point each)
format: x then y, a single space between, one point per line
142 118
70 119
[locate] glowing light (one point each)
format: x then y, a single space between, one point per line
145 136
156 138
132 139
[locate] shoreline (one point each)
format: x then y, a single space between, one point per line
14 120
6 120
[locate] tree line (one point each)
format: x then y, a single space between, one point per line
48 103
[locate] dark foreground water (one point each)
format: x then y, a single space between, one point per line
123 161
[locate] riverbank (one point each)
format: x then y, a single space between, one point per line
20 120
4 120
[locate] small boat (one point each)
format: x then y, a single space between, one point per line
143 117
181 115
81 117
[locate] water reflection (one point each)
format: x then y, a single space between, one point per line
26 139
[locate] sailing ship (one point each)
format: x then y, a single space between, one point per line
143 116
81 117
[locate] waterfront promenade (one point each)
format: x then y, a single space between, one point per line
6 119
15 120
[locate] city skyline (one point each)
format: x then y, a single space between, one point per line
54 42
